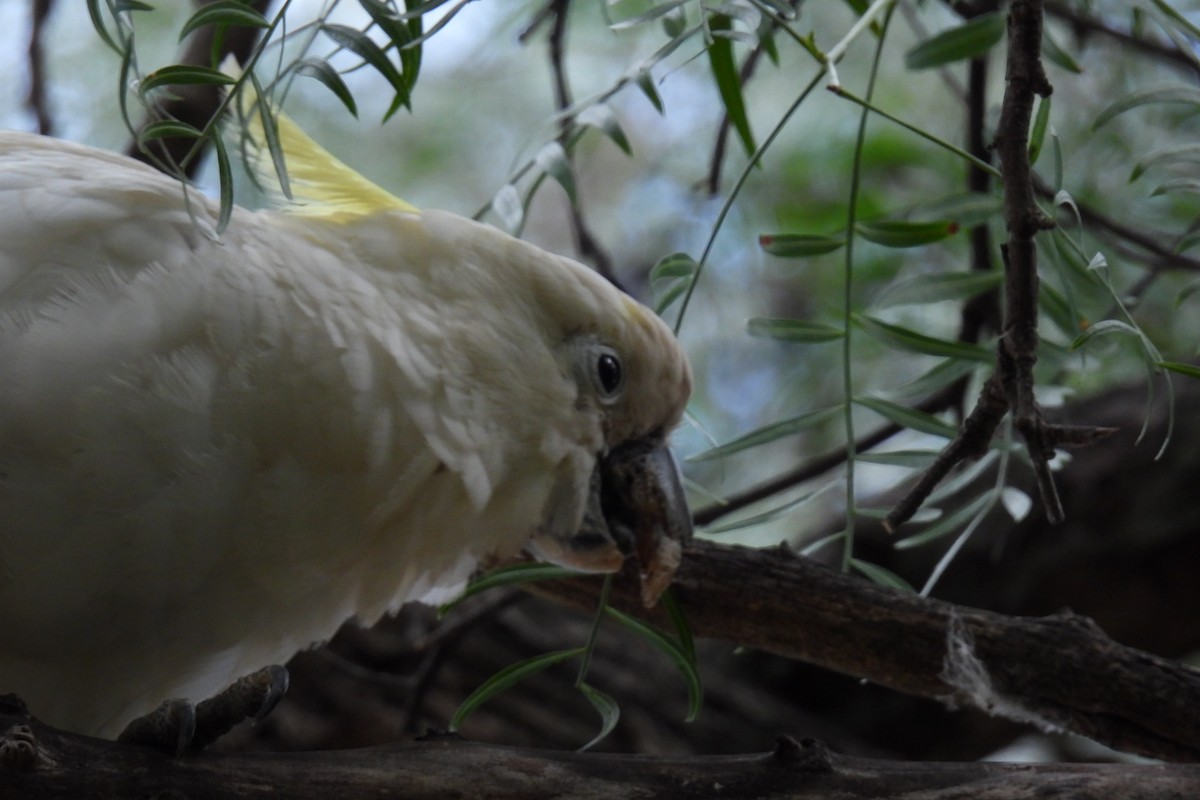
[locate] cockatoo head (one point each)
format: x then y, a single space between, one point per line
634 382
582 375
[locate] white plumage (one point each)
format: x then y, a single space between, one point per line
216 449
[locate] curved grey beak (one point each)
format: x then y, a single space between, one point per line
636 506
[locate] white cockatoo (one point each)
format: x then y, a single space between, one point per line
215 448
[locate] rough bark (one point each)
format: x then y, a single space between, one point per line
39 763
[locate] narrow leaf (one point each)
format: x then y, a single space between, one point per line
729 83
799 245
511 575
606 706
939 286
769 433
361 45
224 183
676 265
769 515
677 654
901 233
508 677
1159 93
1191 370
224 12
793 330
601 117
946 525
322 71
879 575
911 459
908 417
1101 328
1037 136
905 339
552 160
183 74
645 82
968 40
1054 53
168 128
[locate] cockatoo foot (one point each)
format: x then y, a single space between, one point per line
178 726
169 728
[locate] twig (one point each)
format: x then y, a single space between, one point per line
1084 23
1010 387
36 98
555 11
818 466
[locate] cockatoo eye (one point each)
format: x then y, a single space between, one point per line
608 375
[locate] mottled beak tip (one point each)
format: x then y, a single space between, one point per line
636 507
645 509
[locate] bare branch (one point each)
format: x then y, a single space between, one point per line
39 762
1059 671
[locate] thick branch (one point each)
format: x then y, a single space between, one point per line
38 763
1059 671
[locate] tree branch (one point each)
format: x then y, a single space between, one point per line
1059 671
38 762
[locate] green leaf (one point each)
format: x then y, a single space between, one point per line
361 45
676 265
799 245
97 16
1186 153
402 33
168 128
901 233
969 40
905 339
552 160
946 525
321 70
606 706
879 575
968 209
1104 327
769 433
507 678
1056 306
938 286
674 651
1191 370
224 12
1159 93
183 74
656 11
729 82
943 374
769 515
510 575
645 82
1056 55
673 293
793 330
910 459
1037 136
601 117
224 183
908 417
270 130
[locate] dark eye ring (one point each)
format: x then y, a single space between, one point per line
609 375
